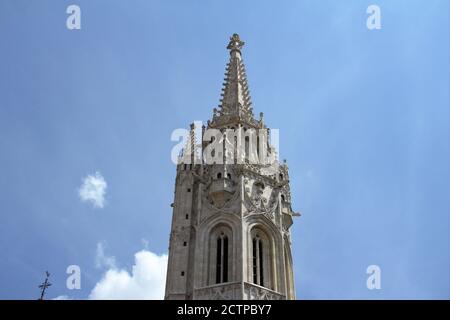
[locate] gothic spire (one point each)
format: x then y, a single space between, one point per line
235 105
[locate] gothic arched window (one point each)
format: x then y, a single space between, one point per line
247 148
222 259
220 255
261 261
258 260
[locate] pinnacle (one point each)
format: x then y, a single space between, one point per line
235 103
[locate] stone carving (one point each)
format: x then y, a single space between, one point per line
219 292
258 293
231 206
256 202
219 195
235 42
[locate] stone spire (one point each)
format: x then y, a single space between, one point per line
235 105
230 236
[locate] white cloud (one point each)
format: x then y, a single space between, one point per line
102 260
63 297
93 190
146 281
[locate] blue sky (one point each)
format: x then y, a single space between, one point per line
363 118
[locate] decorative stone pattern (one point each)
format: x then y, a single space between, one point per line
254 292
230 291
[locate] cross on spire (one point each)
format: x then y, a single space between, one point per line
44 285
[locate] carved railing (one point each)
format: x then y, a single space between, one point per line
222 291
233 291
255 292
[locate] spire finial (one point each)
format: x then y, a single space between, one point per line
235 43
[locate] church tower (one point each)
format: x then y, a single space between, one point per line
230 236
